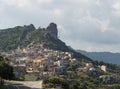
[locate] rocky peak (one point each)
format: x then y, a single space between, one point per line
26 30
29 27
52 30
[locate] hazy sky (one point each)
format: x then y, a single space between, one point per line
92 25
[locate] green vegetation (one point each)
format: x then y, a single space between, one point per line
11 38
30 78
3 87
54 82
21 78
6 72
83 80
78 83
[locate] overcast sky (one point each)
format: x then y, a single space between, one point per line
92 25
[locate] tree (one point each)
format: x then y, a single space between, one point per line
6 71
53 82
75 85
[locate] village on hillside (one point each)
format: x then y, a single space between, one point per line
40 62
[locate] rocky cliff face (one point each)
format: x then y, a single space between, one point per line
52 30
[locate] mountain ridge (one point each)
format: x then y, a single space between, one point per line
108 57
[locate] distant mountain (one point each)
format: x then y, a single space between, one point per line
108 57
23 36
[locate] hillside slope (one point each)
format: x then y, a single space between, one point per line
22 36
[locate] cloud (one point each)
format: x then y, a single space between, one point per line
45 1
116 7
84 24
16 3
57 12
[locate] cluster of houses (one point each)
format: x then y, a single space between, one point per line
42 62
98 71
39 61
91 70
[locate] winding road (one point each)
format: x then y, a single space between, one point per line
24 84
17 87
